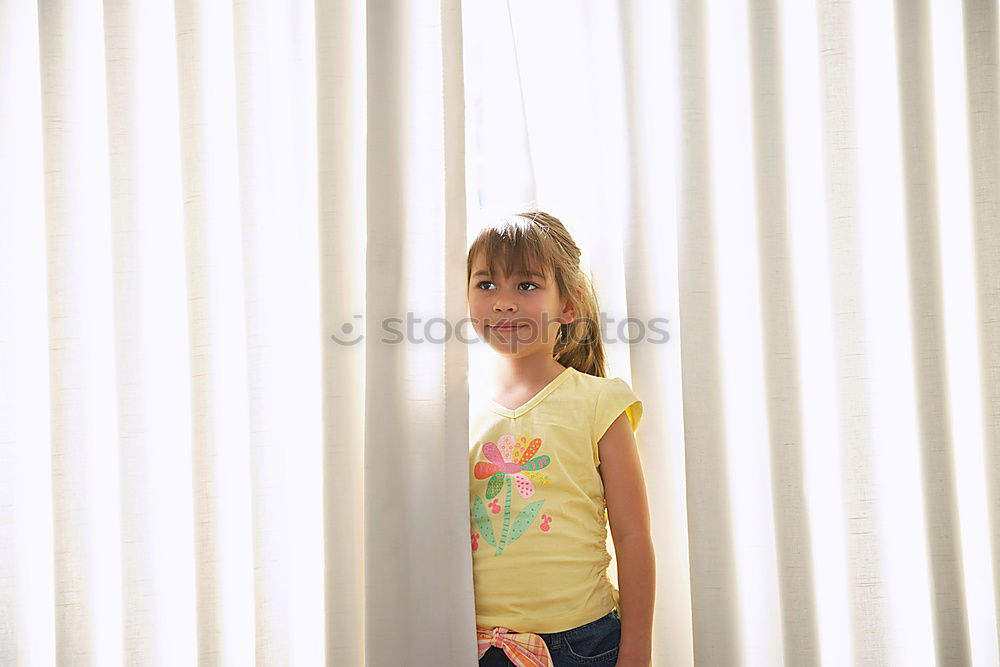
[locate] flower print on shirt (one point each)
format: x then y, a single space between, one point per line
509 461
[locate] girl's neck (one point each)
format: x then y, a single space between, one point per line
526 372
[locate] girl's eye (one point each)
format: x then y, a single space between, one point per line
487 282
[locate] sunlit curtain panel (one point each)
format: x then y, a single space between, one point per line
210 452
234 413
804 196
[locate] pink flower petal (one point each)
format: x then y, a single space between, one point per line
491 452
524 485
506 444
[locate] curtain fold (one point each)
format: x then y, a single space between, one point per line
419 605
233 389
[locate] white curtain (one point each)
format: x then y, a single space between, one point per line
807 192
196 197
219 446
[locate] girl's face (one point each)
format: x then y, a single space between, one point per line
518 315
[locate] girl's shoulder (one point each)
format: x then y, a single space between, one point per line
610 397
598 385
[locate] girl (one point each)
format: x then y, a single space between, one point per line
553 458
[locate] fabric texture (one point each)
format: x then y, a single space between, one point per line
525 649
537 506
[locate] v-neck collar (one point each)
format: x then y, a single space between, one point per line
534 400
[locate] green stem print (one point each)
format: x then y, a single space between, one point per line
506 521
521 523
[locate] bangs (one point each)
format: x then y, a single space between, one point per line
513 245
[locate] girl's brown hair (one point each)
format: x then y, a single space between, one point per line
534 239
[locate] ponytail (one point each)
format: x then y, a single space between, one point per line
580 344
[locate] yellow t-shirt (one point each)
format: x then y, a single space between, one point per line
537 508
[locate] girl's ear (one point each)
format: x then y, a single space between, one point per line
568 309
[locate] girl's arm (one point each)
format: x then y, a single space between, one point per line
628 514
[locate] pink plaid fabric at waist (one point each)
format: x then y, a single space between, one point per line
525 649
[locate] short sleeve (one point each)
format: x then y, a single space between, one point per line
616 397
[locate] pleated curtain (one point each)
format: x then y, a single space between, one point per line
207 455
234 405
807 193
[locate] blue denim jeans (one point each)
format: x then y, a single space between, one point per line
594 644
